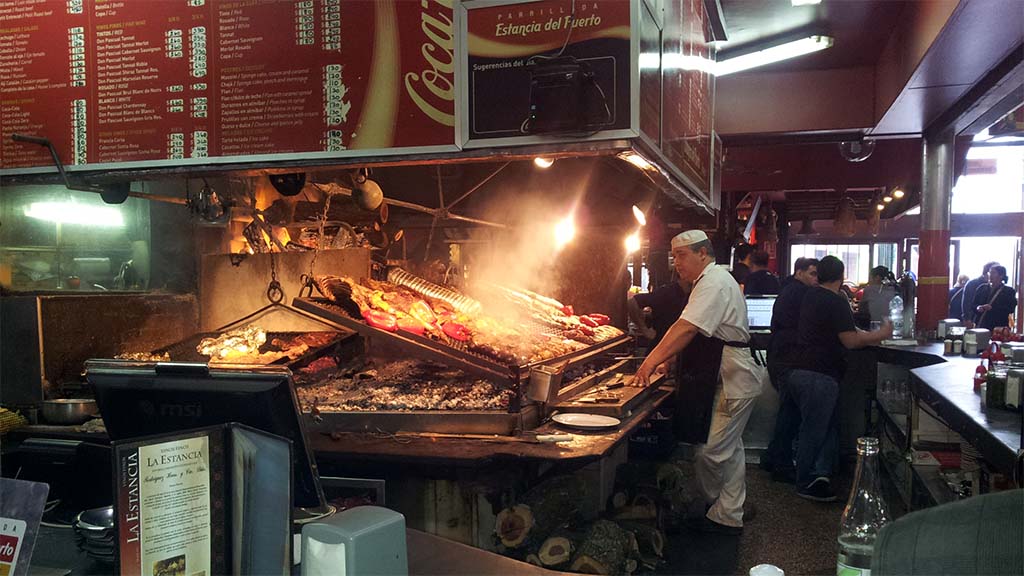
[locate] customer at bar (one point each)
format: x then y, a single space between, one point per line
666 304
956 301
879 292
995 301
970 291
782 355
826 330
761 280
718 379
741 257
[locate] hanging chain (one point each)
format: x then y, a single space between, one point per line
320 233
274 291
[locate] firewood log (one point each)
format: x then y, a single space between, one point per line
650 539
665 477
630 565
543 508
558 548
644 512
603 551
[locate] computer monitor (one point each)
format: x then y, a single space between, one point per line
759 312
141 399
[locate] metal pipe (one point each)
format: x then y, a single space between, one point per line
479 184
936 198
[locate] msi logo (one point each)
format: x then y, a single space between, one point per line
181 410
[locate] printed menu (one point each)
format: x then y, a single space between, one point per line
123 81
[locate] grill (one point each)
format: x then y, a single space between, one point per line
185 350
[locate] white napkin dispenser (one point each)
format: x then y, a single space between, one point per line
361 541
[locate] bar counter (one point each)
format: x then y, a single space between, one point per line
945 385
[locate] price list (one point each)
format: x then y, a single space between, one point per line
116 81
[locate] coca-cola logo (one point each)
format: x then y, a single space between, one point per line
433 88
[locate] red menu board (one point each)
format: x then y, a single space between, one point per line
687 91
132 81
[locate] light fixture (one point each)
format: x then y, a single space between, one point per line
75 213
633 242
639 215
773 54
542 162
805 2
887 199
565 231
879 207
898 193
636 160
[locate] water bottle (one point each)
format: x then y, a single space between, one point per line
864 515
896 316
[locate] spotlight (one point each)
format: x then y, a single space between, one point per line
633 242
565 230
887 199
880 207
542 162
639 215
898 193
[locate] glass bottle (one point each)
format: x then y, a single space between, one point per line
896 316
864 515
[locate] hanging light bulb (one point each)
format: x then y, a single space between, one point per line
898 193
565 231
887 199
880 207
542 162
639 215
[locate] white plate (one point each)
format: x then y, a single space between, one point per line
586 421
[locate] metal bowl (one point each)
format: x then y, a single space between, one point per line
69 410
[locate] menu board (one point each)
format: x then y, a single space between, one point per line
688 91
169 81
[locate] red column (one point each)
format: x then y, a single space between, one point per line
933 260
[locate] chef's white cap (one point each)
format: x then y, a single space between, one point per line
688 238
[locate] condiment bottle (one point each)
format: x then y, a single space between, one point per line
979 375
947 346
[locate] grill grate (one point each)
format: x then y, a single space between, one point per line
185 351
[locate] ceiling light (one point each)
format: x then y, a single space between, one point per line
542 162
633 242
636 160
887 199
565 230
805 2
639 215
898 193
880 207
773 54
75 213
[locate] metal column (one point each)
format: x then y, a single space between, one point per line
933 261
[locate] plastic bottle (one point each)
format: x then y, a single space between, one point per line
896 316
864 515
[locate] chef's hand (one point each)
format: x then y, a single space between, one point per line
661 369
643 374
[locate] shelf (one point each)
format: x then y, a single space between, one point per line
899 483
901 422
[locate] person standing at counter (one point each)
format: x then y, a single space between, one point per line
666 304
782 353
760 281
878 294
826 330
718 379
741 269
995 301
970 291
956 301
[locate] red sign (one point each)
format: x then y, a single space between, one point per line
114 81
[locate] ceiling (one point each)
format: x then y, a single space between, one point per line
860 29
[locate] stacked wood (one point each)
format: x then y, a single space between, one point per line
558 548
604 550
545 507
650 540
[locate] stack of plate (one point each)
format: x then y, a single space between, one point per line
95 533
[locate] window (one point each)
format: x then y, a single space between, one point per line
991 182
56 239
857 258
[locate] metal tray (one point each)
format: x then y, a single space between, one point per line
185 350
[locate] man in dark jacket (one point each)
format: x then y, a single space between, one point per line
760 280
741 267
969 292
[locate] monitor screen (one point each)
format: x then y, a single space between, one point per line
759 312
142 399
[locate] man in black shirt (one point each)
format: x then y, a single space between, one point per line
666 304
967 295
760 280
741 257
826 330
782 349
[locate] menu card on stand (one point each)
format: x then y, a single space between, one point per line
21 508
186 502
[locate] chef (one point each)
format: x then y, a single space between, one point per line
718 382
